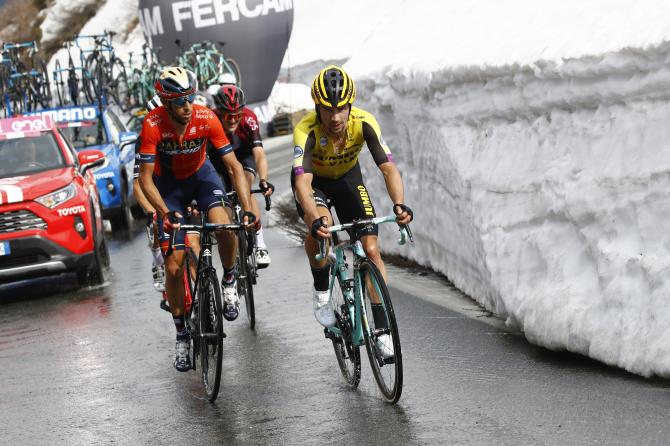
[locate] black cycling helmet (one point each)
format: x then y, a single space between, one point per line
333 87
229 99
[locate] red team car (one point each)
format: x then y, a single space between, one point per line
50 220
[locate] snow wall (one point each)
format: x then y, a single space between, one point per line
541 190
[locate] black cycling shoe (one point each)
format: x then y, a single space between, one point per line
182 358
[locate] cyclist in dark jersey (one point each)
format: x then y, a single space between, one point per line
326 172
175 171
157 261
242 129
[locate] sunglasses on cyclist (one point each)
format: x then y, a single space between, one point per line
184 99
232 116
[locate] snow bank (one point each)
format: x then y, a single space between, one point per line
539 177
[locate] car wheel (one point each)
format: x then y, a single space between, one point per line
94 273
137 212
123 220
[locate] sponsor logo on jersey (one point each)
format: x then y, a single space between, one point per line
251 122
323 141
71 210
297 152
174 148
193 129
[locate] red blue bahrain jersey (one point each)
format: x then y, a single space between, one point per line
177 157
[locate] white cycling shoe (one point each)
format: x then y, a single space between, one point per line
231 301
385 346
262 258
323 309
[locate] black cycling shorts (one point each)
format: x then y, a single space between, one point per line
346 194
248 164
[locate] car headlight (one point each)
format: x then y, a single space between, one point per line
56 198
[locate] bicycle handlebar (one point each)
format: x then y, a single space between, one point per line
405 232
204 227
268 200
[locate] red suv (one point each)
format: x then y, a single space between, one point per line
50 220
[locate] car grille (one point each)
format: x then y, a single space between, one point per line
23 220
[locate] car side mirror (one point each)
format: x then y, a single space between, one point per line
128 142
89 159
127 136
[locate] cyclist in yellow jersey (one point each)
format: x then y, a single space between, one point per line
326 173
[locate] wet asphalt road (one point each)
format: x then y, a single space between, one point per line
94 366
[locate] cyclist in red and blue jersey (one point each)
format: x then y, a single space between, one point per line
242 129
175 171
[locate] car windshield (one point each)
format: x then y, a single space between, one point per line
84 133
30 154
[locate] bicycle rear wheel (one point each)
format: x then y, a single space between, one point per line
245 289
348 355
381 336
211 332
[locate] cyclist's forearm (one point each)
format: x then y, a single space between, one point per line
150 191
393 182
141 199
241 186
261 163
303 191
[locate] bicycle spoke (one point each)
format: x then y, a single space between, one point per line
348 356
382 341
210 332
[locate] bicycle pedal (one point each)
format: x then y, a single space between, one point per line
328 334
165 306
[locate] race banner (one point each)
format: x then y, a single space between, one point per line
254 34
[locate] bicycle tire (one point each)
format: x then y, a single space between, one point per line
387 371
245 288
348 355
118 84
237 72
59 85
210 332
42 84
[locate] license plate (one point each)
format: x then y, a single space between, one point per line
4 249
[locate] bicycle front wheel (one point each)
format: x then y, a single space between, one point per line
348 355
245 288
211 332
381 332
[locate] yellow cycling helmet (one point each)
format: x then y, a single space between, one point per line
333 87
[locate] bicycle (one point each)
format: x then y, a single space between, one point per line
353 290
23 88
205 318
247 270
207 63
105 72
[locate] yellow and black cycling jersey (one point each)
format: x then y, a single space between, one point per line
315 153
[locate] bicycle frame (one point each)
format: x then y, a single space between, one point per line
352 286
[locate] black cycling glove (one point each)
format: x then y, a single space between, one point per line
250 215
316 224
399 208
264 185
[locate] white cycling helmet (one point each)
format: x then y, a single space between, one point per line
227 79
